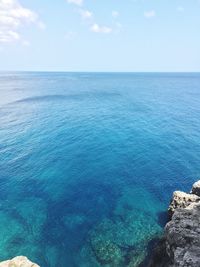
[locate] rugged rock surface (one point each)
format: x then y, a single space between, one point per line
196 188
18 262
181 200
180 246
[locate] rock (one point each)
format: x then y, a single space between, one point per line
19 261
183 237
180 246
136 258
107 252
128 232
196 188
160 257
123 241
181 200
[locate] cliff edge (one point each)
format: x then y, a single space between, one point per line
19 261
180 246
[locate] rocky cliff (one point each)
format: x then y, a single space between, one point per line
180 246
18 262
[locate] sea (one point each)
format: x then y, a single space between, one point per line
89 162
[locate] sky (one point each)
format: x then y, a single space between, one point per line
100 35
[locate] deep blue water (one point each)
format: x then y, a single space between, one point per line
88 163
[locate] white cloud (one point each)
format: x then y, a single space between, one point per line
89 17
8 36
85 14
115 14
100 29
75 2
150 14
12 16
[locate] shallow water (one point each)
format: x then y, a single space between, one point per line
88 163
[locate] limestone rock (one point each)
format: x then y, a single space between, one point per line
19 261
180 246
183 237
181 200
196 188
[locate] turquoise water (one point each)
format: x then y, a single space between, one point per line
88 163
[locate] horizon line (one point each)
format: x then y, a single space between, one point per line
88 71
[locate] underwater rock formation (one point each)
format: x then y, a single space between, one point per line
122 241
180 246
19 261
107 252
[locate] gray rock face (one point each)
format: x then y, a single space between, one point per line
19 261
183 237
180 246
181 200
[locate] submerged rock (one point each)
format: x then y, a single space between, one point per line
123 241
19 261
137 257
107 252
129 232
180 246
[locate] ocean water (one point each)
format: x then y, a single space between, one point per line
88 163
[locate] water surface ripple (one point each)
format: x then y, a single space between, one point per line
88 162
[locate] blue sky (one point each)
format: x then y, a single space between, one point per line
97 35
